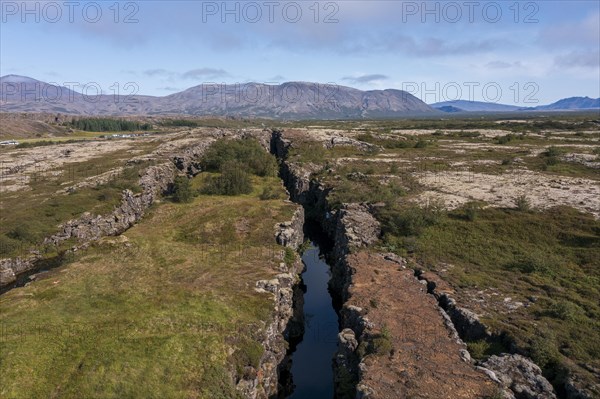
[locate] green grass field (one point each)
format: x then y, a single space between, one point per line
168 312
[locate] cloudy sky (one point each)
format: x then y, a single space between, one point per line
515 52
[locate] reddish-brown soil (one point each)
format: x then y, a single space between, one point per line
424 360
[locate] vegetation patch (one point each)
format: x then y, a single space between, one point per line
108 125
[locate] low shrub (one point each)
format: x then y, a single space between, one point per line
505 139
411 220
233 180
564 310
268 194
535 263
471 210
8 245
24 233
289 256
182 190
553 152
544 352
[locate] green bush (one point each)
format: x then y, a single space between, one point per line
382 343
550 161
522 203
182 190
289 256
268 194
247 153
471 210
8 246
505 139
421 143
410 220
544 352
534 262
564 310
482 348
233 180
553 152
24 233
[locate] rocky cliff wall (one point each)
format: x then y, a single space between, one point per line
263 382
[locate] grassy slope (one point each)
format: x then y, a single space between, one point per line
156 319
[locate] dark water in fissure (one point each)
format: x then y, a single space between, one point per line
312 371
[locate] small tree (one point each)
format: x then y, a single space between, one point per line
182 190
523 204
472 210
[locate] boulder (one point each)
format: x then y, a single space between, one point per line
521 376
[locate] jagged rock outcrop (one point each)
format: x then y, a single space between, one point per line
355 227
264 382
575 389
289 234
340 141
88 227
521 376
466 322
11 268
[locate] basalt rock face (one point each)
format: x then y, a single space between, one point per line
466 322
88 227
11 268
575 389
355 228
290 233
264 382
521 376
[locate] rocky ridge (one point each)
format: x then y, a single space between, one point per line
358 365
155 181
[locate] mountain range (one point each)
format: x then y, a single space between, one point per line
566 104
291 100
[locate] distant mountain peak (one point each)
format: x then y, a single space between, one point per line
572 103
17 79
472 106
